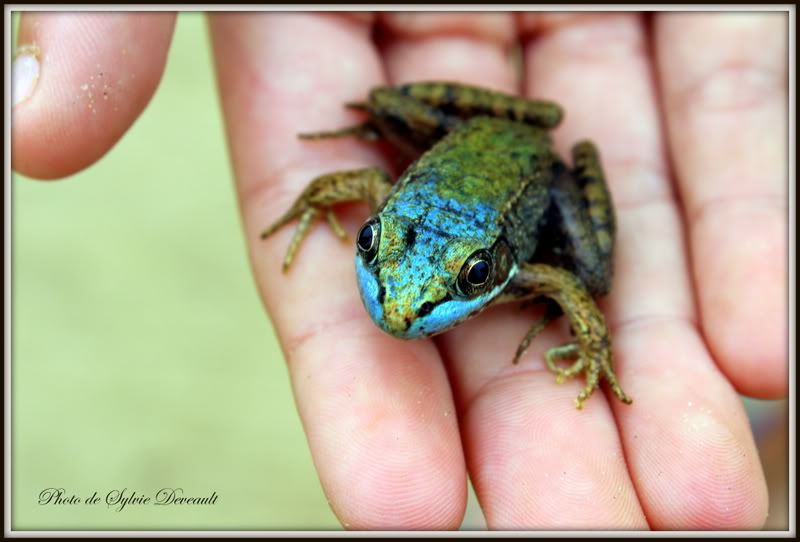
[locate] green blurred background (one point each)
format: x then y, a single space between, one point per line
142 357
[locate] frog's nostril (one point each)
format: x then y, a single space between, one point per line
425 308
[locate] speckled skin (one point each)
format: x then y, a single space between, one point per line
489 194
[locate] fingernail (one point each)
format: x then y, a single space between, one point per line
24 73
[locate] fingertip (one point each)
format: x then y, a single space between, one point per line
744 302
80 80
382 427
688 443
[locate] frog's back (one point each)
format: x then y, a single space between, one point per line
488 177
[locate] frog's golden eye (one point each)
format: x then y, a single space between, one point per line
368 239
476 274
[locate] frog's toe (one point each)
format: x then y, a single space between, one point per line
307 214
287 217
592 382
366 131
616 389
333 222
551 313
564 352
306 218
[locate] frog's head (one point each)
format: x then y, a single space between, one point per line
416 282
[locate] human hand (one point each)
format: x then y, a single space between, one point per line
394 426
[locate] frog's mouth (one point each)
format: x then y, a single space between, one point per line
408 322
442 315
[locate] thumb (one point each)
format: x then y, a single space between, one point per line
79 82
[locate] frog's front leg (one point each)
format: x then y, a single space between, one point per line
325 191
592 348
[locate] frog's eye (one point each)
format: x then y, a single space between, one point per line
476 273
368 239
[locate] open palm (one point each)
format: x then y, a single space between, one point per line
689 114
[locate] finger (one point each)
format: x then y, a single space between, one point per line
464 47
80 81
724 82
686 437
510 426
377 411
534 459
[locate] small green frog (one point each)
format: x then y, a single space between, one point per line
487 214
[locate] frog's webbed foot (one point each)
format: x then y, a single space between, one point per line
319 197
591 351
593 360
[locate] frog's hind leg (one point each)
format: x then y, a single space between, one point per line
599 211
581 221
592 347
325 191
589 172
467 101
564 352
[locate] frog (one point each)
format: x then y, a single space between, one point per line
487 213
